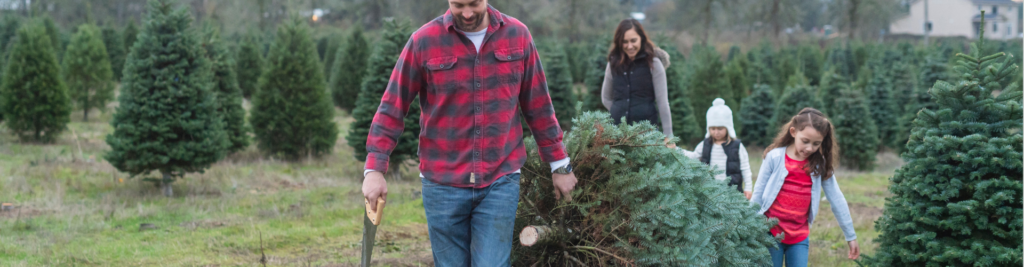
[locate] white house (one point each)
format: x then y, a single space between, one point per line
953 18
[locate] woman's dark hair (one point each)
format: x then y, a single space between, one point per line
821 163
617 56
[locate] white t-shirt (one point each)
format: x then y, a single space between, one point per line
477 38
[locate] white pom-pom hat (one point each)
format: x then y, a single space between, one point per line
719 115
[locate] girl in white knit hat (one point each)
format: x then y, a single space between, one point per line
722 150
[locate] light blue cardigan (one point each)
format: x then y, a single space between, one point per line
773 174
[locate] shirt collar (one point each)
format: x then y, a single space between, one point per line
495 17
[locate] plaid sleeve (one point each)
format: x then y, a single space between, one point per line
388 123
538 112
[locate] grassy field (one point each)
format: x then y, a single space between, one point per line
73 209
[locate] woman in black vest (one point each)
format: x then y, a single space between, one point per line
635 87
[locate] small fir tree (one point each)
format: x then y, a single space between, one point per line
292 115
734 53
576 55
840 61
225 89
706 80
684 118
756 116
595 68
856 132
798 95
114 43
87 70
35 105
54 34
166 120
677 213
249 65
884 109
811 62
958 200
130 34
832 85
330 55
560 87
735 72
379 68
762 64
349 69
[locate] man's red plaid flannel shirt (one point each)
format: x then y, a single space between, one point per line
470 130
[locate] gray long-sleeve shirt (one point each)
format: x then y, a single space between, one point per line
660 93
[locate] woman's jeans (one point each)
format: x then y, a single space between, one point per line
472 227
795 254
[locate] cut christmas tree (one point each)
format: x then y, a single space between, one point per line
636 203
958 199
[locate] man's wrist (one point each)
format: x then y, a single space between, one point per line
367 171
558 164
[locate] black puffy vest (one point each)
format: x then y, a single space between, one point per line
633 92
732 162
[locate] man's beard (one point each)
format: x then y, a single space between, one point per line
464 27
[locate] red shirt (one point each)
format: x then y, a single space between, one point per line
470 128
792 204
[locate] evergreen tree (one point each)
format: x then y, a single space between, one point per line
756 116
225 89
841 61
788 65
677 213
904 85
114 43
595 67
87 70
856 132
249 65
832 85
958 200
35 105
576 56
9 26
734 53
706 80
798 95
810 63
560 87
379 68
349 69
292 115
763 63
329 55
684 118
166 120
735 72
53 32
130 34
884 109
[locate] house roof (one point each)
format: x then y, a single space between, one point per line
990 17
995 2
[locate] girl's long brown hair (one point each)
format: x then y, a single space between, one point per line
821 163
617 56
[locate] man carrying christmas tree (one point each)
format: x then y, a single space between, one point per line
472 68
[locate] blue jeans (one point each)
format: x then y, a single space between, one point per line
795 254
472 227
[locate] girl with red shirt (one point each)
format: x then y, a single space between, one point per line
798 166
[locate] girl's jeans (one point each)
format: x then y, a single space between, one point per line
472 227
795 254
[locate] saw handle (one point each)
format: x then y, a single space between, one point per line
375 215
